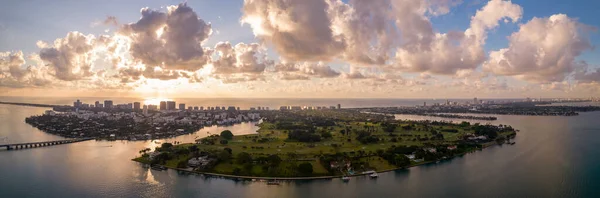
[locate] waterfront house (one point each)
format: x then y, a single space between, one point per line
152 155
200 162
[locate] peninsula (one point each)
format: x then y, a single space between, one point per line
326 143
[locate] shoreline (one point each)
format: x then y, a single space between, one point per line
310 178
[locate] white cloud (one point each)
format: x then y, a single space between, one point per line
298 30
70 58
543 50
304 70
169 40
448 53
13 75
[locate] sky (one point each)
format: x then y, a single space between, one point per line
300 48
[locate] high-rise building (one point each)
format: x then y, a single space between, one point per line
231 108
190 108
171 105
108 104
136 106
129 106
181 107
218 108
152 107
196 108
97 104
163 105
238 108
145 110
201 108
339 106
475 101
77 104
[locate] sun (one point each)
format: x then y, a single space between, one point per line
155 101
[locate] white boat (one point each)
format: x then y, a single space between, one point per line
373 175
345 178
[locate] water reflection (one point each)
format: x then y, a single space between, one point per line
553 157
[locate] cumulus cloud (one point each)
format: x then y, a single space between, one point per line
448 53
298 30
304 70
12 73
368 33
169 40
111 20
242 62
543 50
129 74
441 7
71 57
585 75
241 58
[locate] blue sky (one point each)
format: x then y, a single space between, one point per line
22 23
25 22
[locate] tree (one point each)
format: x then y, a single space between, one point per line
223 142
182 164
326 135
193 148
401 160
389 127
227 134
243 158
274 160
224 155
305 169
166 146
228 150
237 171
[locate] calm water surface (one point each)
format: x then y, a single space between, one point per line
553 157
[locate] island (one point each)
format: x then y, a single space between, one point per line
326 143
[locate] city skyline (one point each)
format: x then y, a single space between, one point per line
262 49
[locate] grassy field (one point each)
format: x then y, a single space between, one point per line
277 143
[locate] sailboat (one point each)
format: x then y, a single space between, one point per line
374 175
345 178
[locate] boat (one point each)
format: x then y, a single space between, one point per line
274 182
373 175
345 178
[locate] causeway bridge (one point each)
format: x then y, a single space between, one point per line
27 145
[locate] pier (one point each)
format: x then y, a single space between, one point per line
41 144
